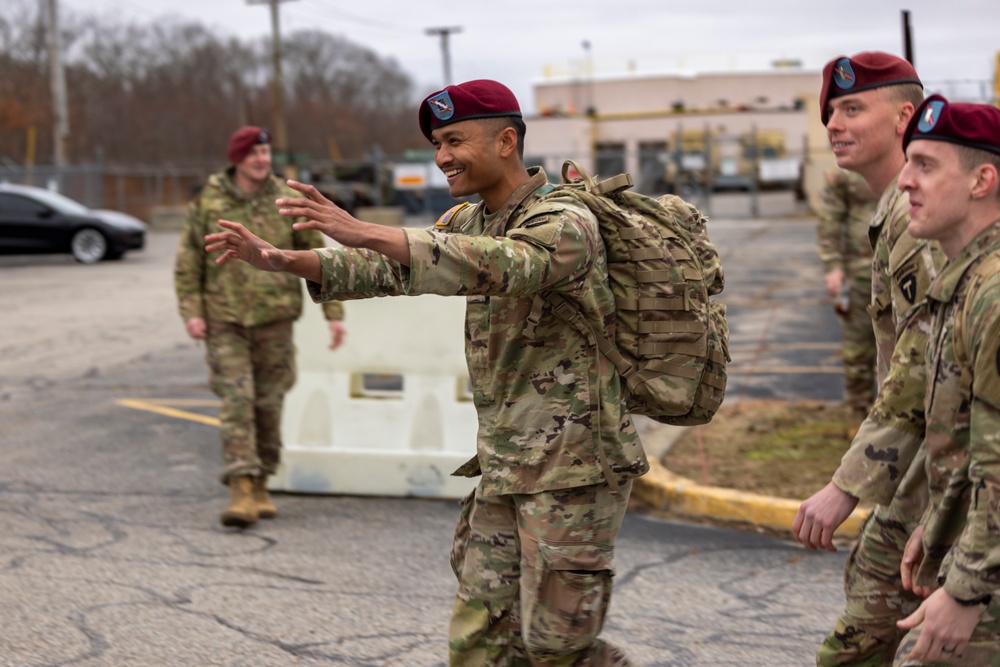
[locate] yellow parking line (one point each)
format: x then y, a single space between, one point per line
196 402
149 406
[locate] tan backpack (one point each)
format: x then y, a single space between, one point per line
671 342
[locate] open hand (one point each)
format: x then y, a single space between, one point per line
237 242
321 214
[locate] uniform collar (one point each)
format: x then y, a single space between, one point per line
944 286
497 221
887 202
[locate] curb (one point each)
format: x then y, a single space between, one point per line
665 491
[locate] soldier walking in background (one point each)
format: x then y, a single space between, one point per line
865 103
245 317
846 253
952 176
556 447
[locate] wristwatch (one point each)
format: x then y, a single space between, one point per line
975 601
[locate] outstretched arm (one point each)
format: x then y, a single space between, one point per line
237 242
325 216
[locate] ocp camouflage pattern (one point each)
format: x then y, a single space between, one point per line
902 268
235 291
842 235
962 533
549 404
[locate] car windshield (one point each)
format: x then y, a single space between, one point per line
59 202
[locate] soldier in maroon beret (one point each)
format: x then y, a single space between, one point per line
556 451
245 318
867 100
952 176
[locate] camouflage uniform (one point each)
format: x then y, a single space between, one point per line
961 538
248 315
885 462
848 207
535 542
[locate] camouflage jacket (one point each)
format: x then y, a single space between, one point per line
550 406
963 420
844 218
236 292
902 269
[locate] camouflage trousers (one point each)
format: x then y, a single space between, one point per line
535 577
983 649
250 370
859 350
866 634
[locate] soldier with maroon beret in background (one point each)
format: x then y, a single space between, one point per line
245 318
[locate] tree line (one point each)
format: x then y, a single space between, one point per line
171 92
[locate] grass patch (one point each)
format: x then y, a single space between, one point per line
778 448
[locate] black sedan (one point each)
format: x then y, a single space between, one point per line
36 220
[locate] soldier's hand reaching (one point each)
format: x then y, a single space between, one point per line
323 215
821 514
237 242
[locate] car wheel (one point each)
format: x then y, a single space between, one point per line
88 246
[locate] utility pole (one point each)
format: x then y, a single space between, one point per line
444 33
907 38
278 88
57 80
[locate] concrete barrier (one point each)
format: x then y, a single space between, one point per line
390 412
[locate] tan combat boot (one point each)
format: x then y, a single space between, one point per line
265 508
242 510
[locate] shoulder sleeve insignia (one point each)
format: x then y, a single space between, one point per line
908 287
445 219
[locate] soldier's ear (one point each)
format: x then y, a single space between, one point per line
507 141
903 117
987 181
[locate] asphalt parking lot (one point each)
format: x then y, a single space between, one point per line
111 554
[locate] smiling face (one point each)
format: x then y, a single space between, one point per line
864 128
469 155
253 170
940 193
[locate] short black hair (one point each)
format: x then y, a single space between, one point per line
498 125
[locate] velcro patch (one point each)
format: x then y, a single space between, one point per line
541 229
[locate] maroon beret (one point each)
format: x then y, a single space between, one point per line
245 139
972 125
863 71
481 98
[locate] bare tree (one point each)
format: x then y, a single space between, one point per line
172 91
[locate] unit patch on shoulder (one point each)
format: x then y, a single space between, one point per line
843 74
445 219
908 287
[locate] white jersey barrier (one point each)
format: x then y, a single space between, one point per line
390 412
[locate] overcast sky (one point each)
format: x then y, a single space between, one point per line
521 42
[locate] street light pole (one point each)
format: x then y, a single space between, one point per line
57 80
444 33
